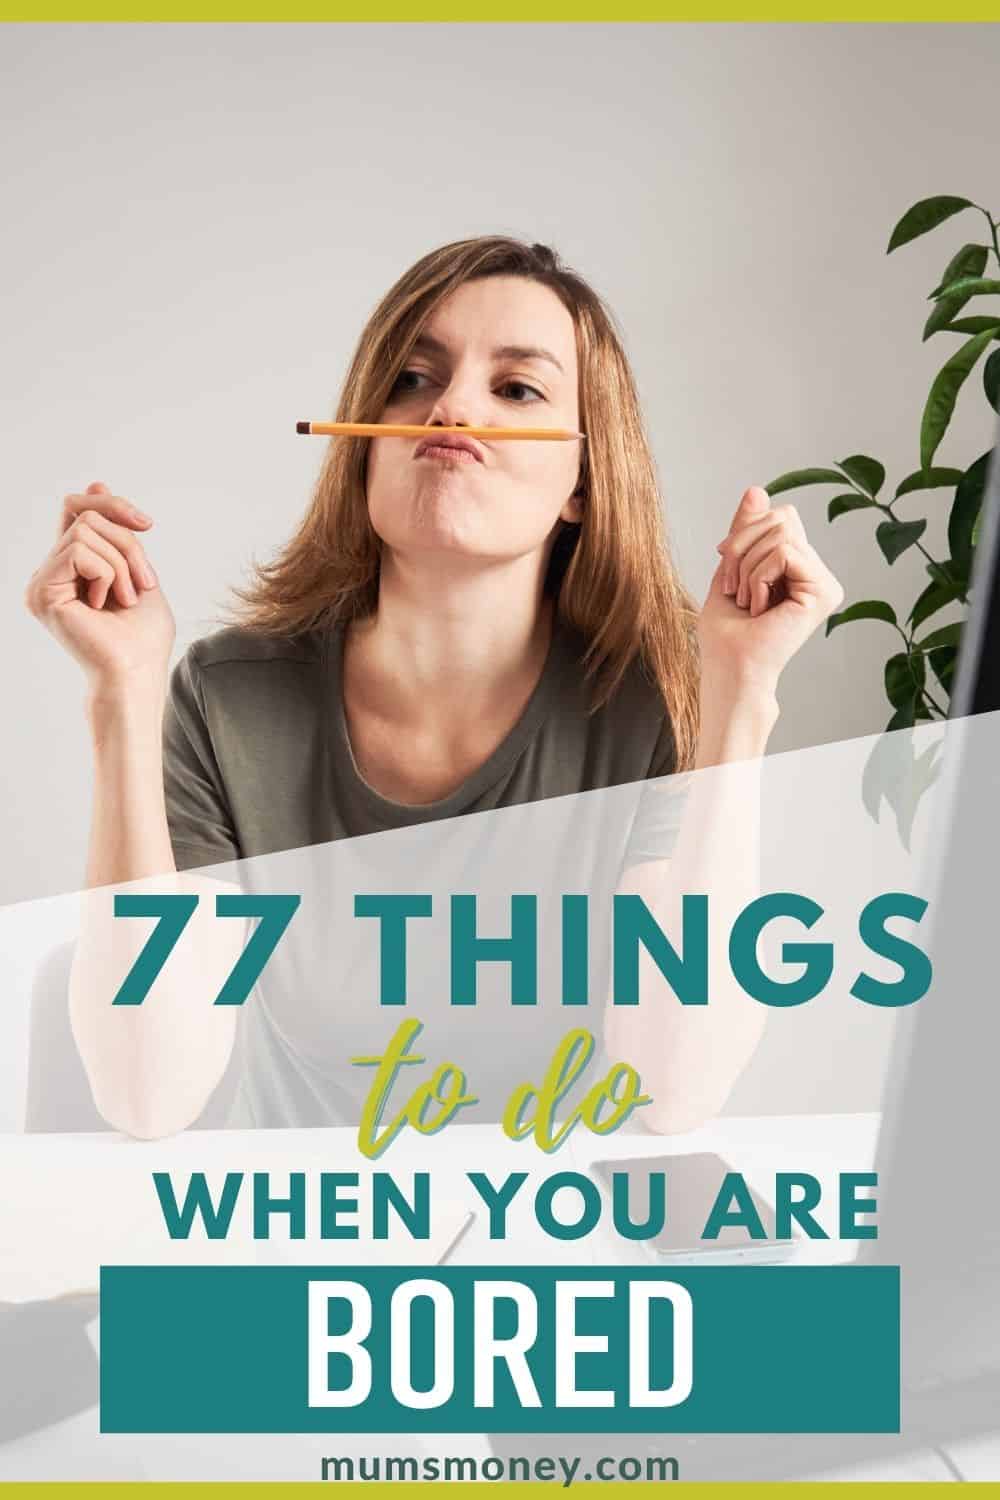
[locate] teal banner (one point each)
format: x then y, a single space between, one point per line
501 1349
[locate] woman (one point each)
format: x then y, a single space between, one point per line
452 628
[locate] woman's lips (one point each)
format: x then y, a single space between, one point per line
452 455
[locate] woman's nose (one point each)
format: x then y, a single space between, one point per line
453 408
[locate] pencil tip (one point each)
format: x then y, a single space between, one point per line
303 427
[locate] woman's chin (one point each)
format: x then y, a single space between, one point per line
446 549
446 523
452 526
444 543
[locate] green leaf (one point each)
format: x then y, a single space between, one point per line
969 261
968 286
923 216
864 472
964 510
904 717
923 772
948 635
894 537
873 777
904 677
927 479
946 574
943 666
944 394
865 609
991 380
841 503
934 597
893 771
796 478
974 325
943 315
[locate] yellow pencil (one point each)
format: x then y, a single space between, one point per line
389 429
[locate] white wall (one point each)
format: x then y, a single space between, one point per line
197 220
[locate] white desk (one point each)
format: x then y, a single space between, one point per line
108 1168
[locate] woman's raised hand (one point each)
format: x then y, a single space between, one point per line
98 595
769 593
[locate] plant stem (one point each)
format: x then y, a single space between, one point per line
921 689
962 595
921 548
887 507
993 223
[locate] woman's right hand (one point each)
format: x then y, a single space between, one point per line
98 595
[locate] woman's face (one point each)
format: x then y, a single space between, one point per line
498 352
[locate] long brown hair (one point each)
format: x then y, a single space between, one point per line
612 573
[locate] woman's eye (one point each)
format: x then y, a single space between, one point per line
406 381
520 385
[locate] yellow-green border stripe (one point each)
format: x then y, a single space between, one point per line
532 1490
471 11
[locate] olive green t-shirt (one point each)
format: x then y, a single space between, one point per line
258 760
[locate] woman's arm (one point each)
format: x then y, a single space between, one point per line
689 1057
152 1067
129 837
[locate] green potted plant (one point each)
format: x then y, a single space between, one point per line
919 670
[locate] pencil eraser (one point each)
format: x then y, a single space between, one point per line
303 427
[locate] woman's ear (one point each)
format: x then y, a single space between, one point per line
573 509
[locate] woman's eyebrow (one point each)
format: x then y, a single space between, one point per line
505 351
526 351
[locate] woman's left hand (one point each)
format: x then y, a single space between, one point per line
769 593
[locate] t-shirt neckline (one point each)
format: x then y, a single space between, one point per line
384 810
